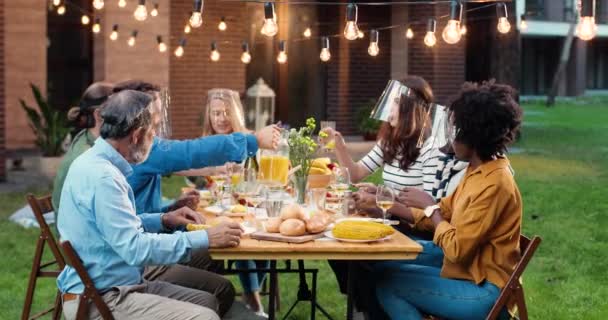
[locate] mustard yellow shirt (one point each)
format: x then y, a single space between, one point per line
480 237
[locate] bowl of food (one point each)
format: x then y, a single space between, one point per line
319 180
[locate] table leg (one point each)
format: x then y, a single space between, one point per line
313 297
350 289
273 290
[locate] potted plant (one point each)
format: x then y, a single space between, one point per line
50 126
367 126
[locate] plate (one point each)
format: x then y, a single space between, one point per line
377 220
227 211
330 235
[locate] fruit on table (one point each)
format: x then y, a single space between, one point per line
362 230
292 227
238 209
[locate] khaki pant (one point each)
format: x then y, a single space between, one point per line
152 300
200 273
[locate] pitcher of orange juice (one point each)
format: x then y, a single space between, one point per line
274 164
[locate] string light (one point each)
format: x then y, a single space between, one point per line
162 47
325 54
307 32
222 25
429 39
85 19
215 55
523 24
187 28
196 19
351 30
61 10
451 33
282 57
56 2
409 33
122 3
154 11
98 4
463 27
141 13
503 25
131 41
270 27
586 29
373 48
179 51
360 34
97 26
246 56
114 34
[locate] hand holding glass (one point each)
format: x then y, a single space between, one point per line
385 198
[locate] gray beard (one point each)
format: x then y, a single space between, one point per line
139 153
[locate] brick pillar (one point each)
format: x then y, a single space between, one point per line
191 76
443 65
2 98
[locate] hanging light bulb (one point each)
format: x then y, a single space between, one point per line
114 34
98 4
463 27
429 39
141 13
307 32
451 33
196 18
61 10
97 26
282 56
131 41
351 30
325 54
586 29
122 3
503 18
187 28
154 11
85 19
523 24
222 26
270 27
409 33
215 55
373 49
56 2
246 56
162 47
179 51
360 34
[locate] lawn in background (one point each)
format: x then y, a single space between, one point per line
561 168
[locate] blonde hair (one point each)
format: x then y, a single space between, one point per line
234 108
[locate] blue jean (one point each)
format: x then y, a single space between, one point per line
407 288
252 281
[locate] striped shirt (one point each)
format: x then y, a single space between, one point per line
441 173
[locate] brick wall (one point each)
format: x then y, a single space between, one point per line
24 62
443 65
191 76
2 100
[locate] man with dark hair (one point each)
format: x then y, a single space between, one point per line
97 215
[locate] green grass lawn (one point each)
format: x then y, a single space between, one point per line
562 170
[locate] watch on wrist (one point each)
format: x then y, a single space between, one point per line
428 211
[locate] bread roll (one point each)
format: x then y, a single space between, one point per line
273 225
317 223
292 211
292 227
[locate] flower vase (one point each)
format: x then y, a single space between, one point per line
300 183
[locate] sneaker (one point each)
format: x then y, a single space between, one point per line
262 314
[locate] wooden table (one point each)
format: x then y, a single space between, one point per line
399 247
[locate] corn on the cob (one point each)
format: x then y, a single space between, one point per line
362 230
194 227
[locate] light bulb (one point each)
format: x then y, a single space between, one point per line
61 10
215 55
196 19
179 51
351 31
131 41
122 3
430 39
187 28
523 25
85 19
56 2
463 30
162 47
96 26
409 33
154 11
114 35
503 25
270 28
586 28
282 57
373 49
307 33
360 34
451 32
222 26
98 4
325 55
246 57
141 13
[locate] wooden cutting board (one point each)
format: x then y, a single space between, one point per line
281 238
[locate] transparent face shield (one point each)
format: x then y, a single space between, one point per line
450 130
163 129
438 137
233 105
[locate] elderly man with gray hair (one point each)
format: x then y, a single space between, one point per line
98 216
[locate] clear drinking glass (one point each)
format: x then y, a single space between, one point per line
327 143
258 196
340 181
385 198
317 198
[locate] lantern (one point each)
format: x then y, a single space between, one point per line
260 106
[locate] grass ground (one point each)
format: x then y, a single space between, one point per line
561 165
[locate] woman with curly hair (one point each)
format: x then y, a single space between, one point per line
475 245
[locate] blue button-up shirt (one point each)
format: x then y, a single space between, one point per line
97 215
168 156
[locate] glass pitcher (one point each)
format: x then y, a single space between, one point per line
274 164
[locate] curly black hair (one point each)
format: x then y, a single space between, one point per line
486 117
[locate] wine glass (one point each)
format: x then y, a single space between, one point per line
220 180
340 181
257 197
385 198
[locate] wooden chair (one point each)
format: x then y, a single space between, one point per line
90 292
513 290
40 206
